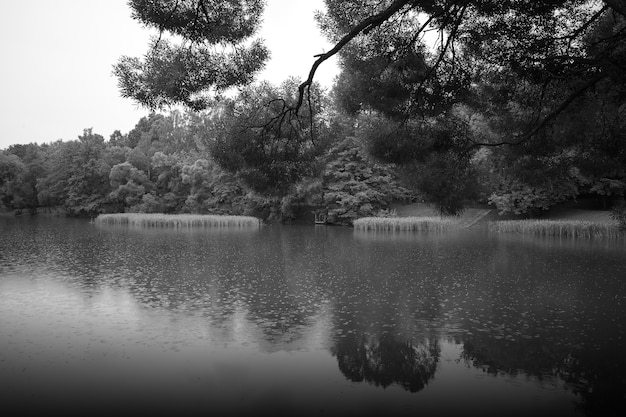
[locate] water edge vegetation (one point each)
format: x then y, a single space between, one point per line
177 220
560 228
408 224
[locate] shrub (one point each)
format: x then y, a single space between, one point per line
618 213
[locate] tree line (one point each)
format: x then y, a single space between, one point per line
516 104
169 164
213 162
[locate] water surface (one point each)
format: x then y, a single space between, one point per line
309 321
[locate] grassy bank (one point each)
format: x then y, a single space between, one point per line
176 220
405 224
560 228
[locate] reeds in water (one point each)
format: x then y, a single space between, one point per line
560 228
405 224
176 220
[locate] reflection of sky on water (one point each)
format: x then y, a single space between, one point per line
309 318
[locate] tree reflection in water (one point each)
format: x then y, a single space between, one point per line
383 360
597 378
538 314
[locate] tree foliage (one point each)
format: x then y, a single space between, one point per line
451 45
541 81
353 185
517 103
207 51
87 186
269 148
13 188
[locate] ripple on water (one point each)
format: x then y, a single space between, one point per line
140 306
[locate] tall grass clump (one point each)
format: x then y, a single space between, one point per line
176 220
405 224
559 228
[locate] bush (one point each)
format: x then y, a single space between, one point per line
618 213
514 196
446 180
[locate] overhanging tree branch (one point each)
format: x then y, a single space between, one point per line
449 44
364 27
549 117
455 14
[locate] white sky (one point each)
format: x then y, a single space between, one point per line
56 59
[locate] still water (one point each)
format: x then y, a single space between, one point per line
308 320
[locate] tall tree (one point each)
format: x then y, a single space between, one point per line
88 186
24 190
52 188
12 171
353 185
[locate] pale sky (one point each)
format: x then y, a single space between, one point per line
57 57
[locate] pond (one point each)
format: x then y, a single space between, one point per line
308 320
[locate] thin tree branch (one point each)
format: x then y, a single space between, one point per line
443 50
544 88
162 25
421 29
364 27
584 26
549 117
618 5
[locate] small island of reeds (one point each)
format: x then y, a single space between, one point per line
405 224
176 220
559 228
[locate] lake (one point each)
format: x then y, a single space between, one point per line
308 320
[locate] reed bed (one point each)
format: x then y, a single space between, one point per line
559 228
176 220
405 224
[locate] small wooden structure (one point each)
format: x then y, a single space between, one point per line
320 219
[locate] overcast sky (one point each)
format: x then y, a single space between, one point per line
57 57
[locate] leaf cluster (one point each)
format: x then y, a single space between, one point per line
207 52
267 145
224 21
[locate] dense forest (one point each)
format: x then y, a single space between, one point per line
167 164
516 104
